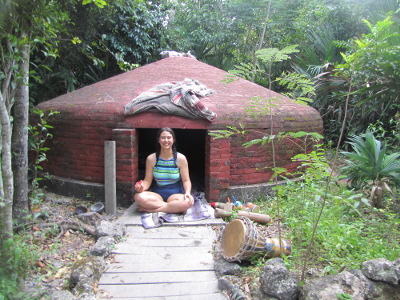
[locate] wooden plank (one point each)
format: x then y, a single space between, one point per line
150 266
129 249
102 294
171 262
161 290
213 296
132 217
167 232
189 242
156 277
161 257
205 222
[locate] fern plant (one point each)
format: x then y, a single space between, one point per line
273 55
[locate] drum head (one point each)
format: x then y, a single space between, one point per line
233 238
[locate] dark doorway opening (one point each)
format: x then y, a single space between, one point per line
190 142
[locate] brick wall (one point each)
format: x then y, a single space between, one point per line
77 151
126 154
217 167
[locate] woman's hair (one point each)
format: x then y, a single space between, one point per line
174 151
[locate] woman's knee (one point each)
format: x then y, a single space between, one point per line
139 198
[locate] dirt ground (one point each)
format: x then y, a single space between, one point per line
55 249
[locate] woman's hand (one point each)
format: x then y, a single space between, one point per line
139 186
189 198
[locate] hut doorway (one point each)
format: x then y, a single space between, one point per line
190 142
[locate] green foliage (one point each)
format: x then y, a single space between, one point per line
204 28
99 3
260 107
346 237
343 296
303 141
134 34
370 162
39 135
371 168
22 255
98 43
371 64
227 133
242 70
271 55
301 88
388 133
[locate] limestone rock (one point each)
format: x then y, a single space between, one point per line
90 218
103 246
85 273
106 228
381 269
277 281
327 287
61 295
223 267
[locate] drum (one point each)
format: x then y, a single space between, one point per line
275 248
241 240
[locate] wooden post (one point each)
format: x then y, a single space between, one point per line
110 186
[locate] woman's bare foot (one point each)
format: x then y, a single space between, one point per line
140 209
147 210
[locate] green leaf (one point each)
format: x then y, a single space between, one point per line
271 55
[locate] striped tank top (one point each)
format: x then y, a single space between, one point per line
166 172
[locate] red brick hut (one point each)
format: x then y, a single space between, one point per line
94 114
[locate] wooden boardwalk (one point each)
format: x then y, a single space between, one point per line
171 262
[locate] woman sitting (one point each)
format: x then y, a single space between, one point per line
171 190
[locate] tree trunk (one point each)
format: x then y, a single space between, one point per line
6 183
20 138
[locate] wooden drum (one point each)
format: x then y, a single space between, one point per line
241 240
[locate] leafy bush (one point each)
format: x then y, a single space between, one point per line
370 161
347 230
22 256
370 165
38 136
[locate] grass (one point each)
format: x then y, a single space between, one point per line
349 230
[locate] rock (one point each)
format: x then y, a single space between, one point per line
87 296
231 284
103 246
85 273
256 293
223 267
378 290
327 287
90 218
32 289
106 228
61 295
381 269
276 281
396 264
372 289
